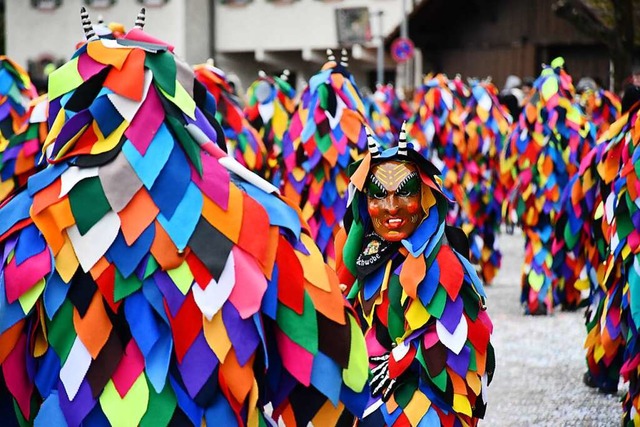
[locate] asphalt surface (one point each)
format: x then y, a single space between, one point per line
539 360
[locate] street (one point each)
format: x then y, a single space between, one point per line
539 360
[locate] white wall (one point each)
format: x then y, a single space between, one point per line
31 33
289 26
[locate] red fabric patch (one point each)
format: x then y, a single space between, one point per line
290 277
186 326
106 283
199 270
478 335
451 273
254 231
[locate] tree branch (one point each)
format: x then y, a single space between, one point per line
583 18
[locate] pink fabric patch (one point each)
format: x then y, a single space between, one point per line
295 359
250 286
129 369
19 279
16 377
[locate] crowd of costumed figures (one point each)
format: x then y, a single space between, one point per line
174 254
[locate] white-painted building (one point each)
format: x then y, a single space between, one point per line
243 36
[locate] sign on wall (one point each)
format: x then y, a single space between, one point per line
353 26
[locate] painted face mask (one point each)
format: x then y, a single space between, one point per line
393 199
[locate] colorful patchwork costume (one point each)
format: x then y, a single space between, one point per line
149 279
420 302
326 134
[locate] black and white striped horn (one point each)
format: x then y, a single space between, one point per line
330 55
86 25
344 58
140 19
402 140
372 145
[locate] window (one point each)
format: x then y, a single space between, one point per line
153 3
46 4
235 2
99 3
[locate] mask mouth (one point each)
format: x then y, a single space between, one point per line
394 223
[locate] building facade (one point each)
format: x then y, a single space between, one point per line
243 36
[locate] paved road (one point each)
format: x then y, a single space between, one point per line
540 361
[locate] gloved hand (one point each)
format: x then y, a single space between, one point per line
381 383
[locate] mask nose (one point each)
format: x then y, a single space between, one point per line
391 204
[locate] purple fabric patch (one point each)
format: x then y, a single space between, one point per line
170 291
75 411
452 313
242 333
71 129
203 124
198 364
8 247
459 362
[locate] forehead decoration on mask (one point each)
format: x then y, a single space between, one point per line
392 176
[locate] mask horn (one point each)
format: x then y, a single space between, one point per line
344 58
86 24
402 140
330 55
372 144
140 19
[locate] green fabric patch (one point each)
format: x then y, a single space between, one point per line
88 203
164 69
436 306
61 333
303 330
124 287
161 407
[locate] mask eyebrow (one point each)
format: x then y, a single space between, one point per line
374 185
410 179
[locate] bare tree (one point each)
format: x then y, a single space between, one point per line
608 21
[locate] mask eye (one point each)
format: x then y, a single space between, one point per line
378 194
375 190
410 187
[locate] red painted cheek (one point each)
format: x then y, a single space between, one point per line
373 210
413 207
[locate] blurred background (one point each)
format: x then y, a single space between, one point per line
389 41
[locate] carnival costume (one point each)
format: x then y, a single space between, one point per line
602 107
607 219
17 157
392 106
378 121
243 141
326 134
480 193
269 108
542 155
149 279
420 302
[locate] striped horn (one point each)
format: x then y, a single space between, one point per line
140 19
330 55
402 140
86 24
344 58
372 144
